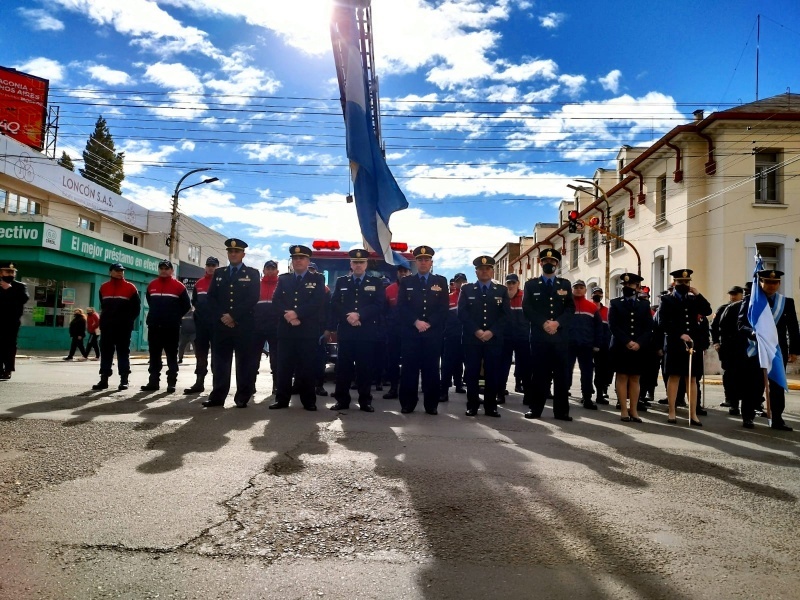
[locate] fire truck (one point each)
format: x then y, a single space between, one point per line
333 262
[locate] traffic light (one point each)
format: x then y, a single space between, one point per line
573 221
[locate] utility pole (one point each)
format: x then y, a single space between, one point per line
173 226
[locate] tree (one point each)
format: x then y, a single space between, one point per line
102 164
66 162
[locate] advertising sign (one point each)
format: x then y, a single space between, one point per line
38 314
23 107
68 296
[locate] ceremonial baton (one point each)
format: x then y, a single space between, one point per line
690 350
766 394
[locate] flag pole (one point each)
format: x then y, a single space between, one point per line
766 394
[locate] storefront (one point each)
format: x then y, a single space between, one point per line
64 270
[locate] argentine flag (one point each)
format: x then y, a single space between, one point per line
377 194
761 318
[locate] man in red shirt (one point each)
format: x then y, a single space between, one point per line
119 307
266 322
516 344
168 301
602 367
585 332
204 325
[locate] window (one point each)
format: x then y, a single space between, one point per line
130 239
619 229
22 209
770 255
87 224
661 199
766 178
620 166
13 203
594 239
194 254
34 207
573 253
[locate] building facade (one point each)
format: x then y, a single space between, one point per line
62 231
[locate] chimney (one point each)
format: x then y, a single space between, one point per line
698 115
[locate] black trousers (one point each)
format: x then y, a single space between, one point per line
77 344
753 380
421 353
91 344
549 362
490 356
119 341
393 346
225 342
584 355
356 360
297 357
183 343
268 336
452 362
517 351
8 346
651 366
733 382
602 372
163 340
202 345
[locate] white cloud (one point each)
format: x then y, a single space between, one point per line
40 19
573 83
472 180
140 155
410 102
174 76
611 81
535 69
243 83
263 152
43 67
466 121
109 76
552 20
188 145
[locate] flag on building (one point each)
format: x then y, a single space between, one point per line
762 319
377 194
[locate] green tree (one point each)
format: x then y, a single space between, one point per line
102 164
66 162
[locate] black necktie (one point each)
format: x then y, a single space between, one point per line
422 279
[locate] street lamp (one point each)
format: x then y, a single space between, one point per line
178 189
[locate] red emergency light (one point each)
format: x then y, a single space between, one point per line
325 245
399 246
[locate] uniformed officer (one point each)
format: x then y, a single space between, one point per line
679 319
585 333
232 298
168 301
731 346
120 304
452 348
204 325
785 317
631 324
355 314
267 318
484 310
549 307
13 296
422 301
300 300
602 368
516 342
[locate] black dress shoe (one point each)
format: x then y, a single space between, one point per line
492 413
170 389
240 404
734 412
618 406
693 423
406 411
781 427
748 424
390 395
276 405
501 399
311 407
460 389
150 387
210 403
471 412
432 411
367 408
635 419
339 406
444 398
518 388
664 401
725 404
562 417
532 415
589 404
641 406
320 391
672 421
601 400
702 411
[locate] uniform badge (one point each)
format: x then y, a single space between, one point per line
369 288
245 278
561 292
499 301
311 285
436 288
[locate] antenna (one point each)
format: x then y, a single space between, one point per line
758 48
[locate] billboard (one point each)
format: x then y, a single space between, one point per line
23 107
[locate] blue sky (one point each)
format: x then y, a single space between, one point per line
489 107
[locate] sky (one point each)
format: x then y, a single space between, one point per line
489 107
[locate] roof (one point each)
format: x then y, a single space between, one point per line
782 103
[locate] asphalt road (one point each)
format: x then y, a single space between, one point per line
148 495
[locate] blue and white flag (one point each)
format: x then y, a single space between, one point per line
762 319
377 194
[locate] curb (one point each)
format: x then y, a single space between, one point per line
793 385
